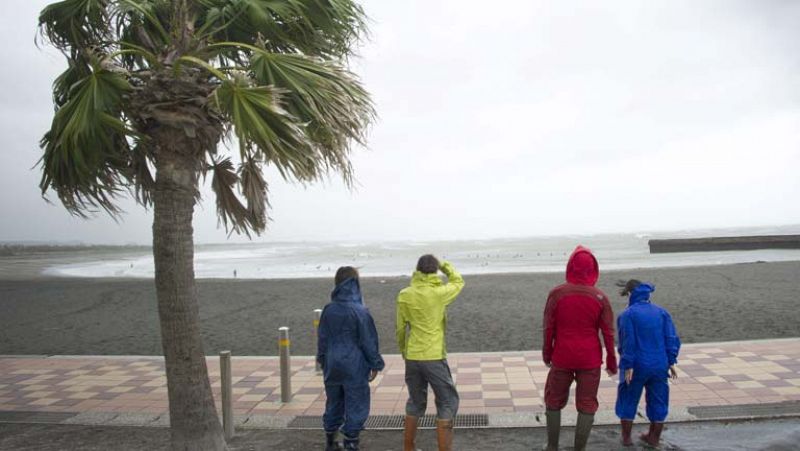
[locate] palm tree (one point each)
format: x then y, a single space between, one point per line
151 89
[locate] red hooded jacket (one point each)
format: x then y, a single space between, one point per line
575 311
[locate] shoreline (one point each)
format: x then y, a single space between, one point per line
497 312
45 275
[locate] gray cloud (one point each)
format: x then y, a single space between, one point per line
509 118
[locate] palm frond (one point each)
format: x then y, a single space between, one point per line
264 128
336 109
254 189
86 152
342 21
230 210
325 28
78 70
142 25
147 18
140 177
75 25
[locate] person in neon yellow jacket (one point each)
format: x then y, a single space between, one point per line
420 331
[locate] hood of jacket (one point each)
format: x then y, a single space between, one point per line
582 268
348 291
641 293
421 278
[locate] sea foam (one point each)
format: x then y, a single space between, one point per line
508 255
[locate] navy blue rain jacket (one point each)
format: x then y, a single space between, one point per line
347 344
647 337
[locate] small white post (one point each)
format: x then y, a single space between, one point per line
227 393
286 364
317 316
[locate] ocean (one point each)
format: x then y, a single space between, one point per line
383 259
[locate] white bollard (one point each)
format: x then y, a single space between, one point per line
286 364
317 316
227 393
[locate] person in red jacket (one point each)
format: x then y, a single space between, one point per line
574 312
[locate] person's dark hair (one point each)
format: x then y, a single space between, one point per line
344 273
428 264
627 286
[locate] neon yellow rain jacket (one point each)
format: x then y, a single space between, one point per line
423 308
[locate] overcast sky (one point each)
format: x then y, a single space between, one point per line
504 118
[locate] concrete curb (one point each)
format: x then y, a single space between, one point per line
686 346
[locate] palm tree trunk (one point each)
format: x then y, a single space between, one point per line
193 417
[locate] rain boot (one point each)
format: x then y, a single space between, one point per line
627 428
444 434
330 442
553 429
653 437
582 430
646 436
410 434
350 443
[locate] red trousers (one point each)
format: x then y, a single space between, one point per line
556 390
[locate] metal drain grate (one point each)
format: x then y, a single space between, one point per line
747 410
34 417
465 421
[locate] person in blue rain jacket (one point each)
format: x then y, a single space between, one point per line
648 352
348 351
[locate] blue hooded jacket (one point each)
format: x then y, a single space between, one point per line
347 344
647 336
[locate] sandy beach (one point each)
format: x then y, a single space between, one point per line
494 312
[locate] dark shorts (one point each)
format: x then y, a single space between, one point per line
436 373
556 390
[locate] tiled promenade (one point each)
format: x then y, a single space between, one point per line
510 382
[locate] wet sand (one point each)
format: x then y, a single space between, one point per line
498 312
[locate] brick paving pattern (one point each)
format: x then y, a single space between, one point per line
710 375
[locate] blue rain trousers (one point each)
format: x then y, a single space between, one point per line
346 408
656 387
347 349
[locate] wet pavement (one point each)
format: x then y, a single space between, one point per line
506 386
770 435
91 402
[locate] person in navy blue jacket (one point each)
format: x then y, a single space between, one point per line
648 351
347 349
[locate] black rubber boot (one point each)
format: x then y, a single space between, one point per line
350 444
330 442
553 429
582 430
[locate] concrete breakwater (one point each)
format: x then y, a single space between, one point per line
732 243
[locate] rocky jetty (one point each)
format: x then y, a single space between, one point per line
728 243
